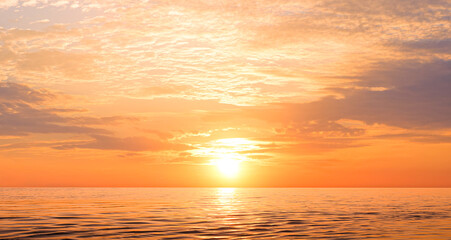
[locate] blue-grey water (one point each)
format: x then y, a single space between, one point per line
222 213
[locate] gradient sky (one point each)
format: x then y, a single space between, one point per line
314 93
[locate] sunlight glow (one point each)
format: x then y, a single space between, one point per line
228 167
227 154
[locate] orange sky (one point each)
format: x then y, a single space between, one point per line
315 93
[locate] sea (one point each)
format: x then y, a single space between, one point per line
225 213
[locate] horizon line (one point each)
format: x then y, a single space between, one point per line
211 187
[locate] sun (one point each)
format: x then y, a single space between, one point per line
228 167
227 154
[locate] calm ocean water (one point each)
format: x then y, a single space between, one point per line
211 213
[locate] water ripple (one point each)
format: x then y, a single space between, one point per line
159 213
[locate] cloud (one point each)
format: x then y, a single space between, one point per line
30 3
40 21
20 114
409 9
6 54
102 120
406 100
18 119
35 144
60 3
127 144
167 89
8 3
442 46
417 97
310 146
234 51
12 92
15 34
212 53
418 137
72 65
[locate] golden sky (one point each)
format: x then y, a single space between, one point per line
312 93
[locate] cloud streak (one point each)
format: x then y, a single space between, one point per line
104 142
20 114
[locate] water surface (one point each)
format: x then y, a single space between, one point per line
211 213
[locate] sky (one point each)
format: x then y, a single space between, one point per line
312 93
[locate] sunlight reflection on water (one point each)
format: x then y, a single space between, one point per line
201 213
